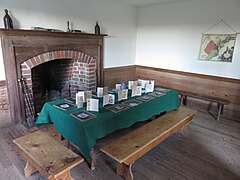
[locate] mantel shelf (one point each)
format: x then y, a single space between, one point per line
26 32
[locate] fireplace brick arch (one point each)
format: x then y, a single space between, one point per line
82 72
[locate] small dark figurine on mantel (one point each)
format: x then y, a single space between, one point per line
68 27
97 28
8 24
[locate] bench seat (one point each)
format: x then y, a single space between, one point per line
47 155
130 147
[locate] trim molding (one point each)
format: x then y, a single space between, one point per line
218 78
119 68
3 82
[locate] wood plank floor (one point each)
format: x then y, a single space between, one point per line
209 150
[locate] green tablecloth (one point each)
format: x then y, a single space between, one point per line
84 134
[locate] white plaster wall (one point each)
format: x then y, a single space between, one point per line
117 19
169 35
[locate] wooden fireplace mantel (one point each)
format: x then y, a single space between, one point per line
21 45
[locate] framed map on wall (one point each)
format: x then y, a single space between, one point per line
217 47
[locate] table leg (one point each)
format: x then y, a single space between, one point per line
94 159
185 100
125 171
220 110
181 99
29 169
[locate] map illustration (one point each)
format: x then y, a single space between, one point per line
217 47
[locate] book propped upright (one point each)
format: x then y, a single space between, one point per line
136 91
132 83
79 100
149 87
108 99
102 91
122 94
92 104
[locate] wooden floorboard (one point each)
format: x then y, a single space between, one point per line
209 150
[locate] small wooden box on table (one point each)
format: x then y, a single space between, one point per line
130 147
47 155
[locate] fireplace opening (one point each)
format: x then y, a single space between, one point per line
56 75
51 81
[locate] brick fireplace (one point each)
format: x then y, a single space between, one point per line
55 75
43 66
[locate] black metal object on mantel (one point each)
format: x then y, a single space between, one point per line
8 24
97 28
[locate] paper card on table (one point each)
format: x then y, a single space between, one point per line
105 91
117 108
157 94
118 87
149 87
122 94
82 93
136 91
92 104
83 116
101 91
146 98
143 82
132 102
108 99
88 95
64 106
132 83
79 100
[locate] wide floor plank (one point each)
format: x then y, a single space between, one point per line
210 149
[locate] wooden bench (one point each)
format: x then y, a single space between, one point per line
47 155
220 101
130 147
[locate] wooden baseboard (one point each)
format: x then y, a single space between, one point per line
221 87
116 75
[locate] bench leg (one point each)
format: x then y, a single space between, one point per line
64 176
181 129
29 169
125 171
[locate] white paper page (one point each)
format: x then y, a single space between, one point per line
149 87
130 84
122 94
111 99
100 92
143 82
118 87
88 95
136 91
105 100
79 100
92 105
82 93
105 90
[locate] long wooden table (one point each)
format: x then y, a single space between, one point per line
84 134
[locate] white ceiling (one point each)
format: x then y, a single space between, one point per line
150 2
